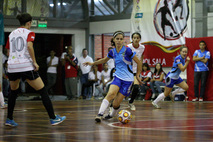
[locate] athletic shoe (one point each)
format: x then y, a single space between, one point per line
132 107
98 118
10 123
107 117
155 105
172 97
4 106
58 119
200 99
194 100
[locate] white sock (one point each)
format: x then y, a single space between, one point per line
1 99
177 91
159 98
104 106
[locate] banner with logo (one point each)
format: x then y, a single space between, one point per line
163 25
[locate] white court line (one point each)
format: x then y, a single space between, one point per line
56 133
162 128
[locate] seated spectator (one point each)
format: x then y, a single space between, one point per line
158 79
146 76
93 77
71 73
105 75
52 63
110 81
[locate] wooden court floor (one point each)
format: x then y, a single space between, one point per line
175 122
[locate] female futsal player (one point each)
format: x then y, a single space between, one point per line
139 49
173 77
123 76
22 64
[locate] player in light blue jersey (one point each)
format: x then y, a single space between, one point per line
123 76
173 77
201 58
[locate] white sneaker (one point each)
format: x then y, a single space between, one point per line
132 107
194 100
200 99
155 105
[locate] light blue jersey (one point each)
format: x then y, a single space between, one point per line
200 66
175 72
123 63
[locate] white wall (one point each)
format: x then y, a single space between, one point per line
78 39
110 26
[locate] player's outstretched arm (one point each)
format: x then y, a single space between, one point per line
101 61
183 68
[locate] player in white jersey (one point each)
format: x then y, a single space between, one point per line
22 64
139 49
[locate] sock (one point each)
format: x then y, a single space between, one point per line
134 93
159 98
47 102
114 111
177 91
1 99
12 103
103 107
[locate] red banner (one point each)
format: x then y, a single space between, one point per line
193 44
156 53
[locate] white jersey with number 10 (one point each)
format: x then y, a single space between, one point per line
19 57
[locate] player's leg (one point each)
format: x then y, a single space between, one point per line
113 90
197 78
14 85
204 75
134 93
38 85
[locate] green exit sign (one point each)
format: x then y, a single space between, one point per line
42 24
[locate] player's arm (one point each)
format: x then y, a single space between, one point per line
101 61
196 58
139 68
32 54
183 68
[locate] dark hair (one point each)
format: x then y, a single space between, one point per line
110 48
161 69
136 33
24 18
83 50
146 65
111 73
202 41
181 48
112 42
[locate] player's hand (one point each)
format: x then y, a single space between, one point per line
188 59
36 66
87 63
204 57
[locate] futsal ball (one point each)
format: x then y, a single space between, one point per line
124 116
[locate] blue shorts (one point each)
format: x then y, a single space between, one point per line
125 86
171 82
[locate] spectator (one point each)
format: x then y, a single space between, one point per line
94 77
2 103
6 83
158 79
111 62
52 63
105 75
110 81
146 76
71 71
201 58
85 69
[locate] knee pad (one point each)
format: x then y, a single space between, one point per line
116 108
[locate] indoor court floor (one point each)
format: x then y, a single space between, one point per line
175 122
